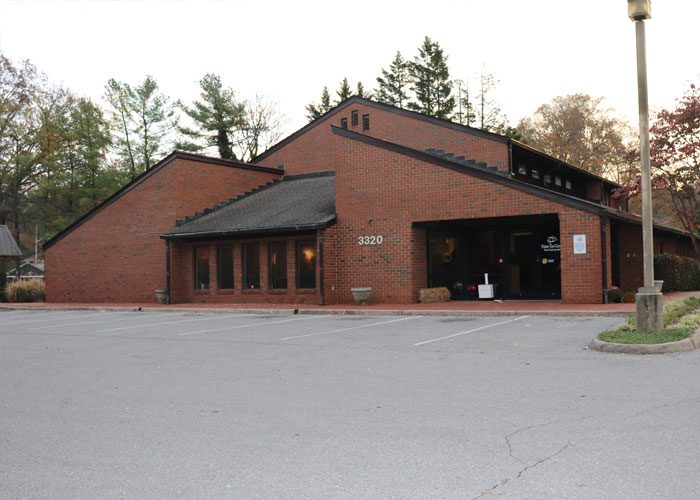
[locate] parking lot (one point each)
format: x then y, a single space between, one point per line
164 404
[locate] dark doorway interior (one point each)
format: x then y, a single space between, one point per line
520 254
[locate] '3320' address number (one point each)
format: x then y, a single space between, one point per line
370 240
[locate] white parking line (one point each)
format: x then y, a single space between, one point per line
170 322
140 316
468 331
350 328
50 319
251 324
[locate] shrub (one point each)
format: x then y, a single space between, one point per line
25 291
432 295
679 273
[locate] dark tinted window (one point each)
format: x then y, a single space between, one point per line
306 264
201 268
365 122
343 123
225 267
278 264
354 117
251 265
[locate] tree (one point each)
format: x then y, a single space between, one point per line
261 129
217 117
577 129
119 97
489 116
431 81
343 91
141 118
675 162
394 84
466 114
314 111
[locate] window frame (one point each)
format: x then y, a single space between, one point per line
219 259
245 279
354 117
344 123
270 274
297 258
365 122
196 276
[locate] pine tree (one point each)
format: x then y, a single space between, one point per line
361 92
154 118
314 111
431 81
343 91
394 84
466 114
217 117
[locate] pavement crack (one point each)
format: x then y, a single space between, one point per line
508 437
670 404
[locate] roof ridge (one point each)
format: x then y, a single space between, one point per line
225 203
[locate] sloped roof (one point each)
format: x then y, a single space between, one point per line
175 155
295 203
8 246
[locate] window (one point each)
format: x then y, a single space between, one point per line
535 173
354 118
522 169
567 184
365 122
201 268
547 179
224 268
251 266
343 123
306 264
278 264
557 181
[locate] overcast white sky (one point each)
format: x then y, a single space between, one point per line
288 50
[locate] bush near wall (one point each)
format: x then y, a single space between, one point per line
433 295
25 291
679 273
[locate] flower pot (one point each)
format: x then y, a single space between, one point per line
162 296
658 284
361 295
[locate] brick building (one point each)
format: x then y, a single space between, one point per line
368 195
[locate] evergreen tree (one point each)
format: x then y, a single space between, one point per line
466 113
218 116
314 111
361 92
394 84
154 119
119 97
489 116
343 91
431 81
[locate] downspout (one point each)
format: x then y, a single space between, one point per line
167 270
510 157
604 256
319 238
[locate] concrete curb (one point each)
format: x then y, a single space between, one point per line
687 344
348 312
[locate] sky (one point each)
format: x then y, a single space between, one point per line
288 50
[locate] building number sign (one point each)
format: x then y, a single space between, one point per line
370 240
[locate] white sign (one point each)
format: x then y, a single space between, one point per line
579 243
552 244
370 240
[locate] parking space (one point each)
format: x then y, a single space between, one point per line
104 403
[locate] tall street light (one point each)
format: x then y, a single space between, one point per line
649 300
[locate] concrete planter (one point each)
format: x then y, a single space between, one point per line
658 284
162 296
361 295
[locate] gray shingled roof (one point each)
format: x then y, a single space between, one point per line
295 203
8 247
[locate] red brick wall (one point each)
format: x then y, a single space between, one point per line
394 191
182 274
316 149
117 254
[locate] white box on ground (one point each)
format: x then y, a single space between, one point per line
485 291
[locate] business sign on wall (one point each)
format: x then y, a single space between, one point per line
551 244
579 243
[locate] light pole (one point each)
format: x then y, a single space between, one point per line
649 300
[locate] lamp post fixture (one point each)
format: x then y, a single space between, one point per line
649 299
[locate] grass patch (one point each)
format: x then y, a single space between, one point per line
681 319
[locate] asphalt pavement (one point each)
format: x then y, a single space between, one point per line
161 405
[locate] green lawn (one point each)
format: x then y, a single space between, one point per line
681 319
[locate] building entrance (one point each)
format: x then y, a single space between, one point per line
522 257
